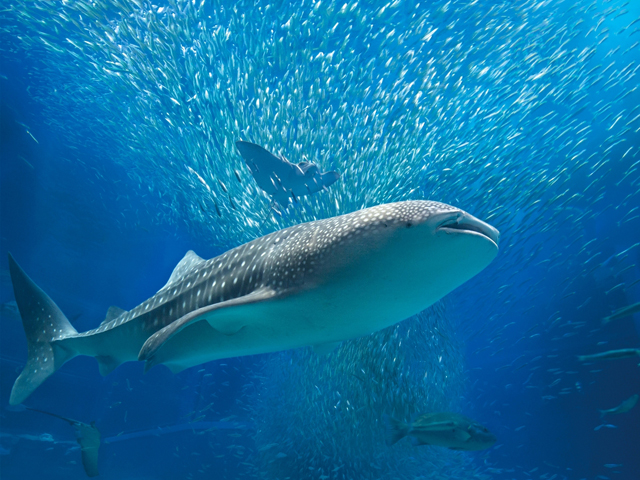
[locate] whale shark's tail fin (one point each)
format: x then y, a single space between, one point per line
43 324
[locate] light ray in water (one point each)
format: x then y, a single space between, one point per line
522 112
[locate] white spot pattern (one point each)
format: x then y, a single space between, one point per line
281 260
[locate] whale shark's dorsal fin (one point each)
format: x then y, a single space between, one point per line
189 261
113 312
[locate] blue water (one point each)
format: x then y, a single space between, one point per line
538 146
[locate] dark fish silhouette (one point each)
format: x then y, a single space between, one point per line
88 437
624 407
445 429
282 179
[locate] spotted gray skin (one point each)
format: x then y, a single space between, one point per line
316 283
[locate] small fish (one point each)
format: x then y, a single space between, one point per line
611 354
622 312
624 407
450 430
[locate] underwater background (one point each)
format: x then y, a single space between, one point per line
118 127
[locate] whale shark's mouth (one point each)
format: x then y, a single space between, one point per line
463 222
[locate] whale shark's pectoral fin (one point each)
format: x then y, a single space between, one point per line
226 318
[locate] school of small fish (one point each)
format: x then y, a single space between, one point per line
524 113
324 412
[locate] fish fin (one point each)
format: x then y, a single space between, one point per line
325 348
603 413
462 435
329 178
173 367
416 442
308 168
43 324
88 437
259 157
396 430
107 364
606 320
213 317
188 262
455 448
113 312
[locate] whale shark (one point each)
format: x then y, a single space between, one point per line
282 179
312 284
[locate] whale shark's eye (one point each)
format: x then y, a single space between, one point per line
409 225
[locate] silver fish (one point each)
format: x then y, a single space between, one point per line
622 312
611 354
